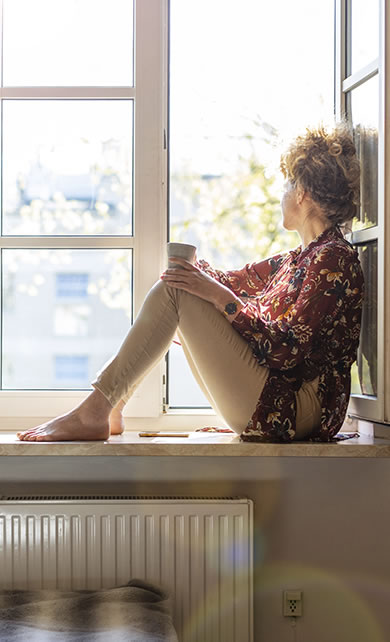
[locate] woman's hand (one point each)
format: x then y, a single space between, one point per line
189 278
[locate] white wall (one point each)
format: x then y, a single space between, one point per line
321 525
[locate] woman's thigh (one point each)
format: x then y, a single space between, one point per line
223 364
308 409
221 360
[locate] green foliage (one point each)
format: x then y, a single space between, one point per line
233 219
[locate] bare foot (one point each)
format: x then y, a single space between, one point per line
117 424
89 421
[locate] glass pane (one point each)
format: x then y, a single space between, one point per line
225 145
67 167
363 108
364 30
184 391
68 42
364 371
78 307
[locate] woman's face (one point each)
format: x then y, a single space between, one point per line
289 207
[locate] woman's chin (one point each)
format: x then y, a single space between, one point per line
288 225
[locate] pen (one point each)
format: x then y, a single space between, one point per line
163 434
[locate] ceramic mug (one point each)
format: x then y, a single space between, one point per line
182 251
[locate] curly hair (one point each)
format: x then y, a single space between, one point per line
325 164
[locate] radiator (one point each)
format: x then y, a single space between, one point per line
200 550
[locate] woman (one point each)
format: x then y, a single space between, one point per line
270 345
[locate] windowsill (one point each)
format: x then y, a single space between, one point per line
197 445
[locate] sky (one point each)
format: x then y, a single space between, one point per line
88 42
235 62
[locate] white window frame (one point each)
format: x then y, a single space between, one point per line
364 407
150 170
385 88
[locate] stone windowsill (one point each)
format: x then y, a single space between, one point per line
197 445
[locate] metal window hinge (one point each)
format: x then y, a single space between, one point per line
165 405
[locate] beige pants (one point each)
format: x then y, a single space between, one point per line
222 361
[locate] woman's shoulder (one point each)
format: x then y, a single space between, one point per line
333 248
335 260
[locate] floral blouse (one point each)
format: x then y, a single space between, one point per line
302 322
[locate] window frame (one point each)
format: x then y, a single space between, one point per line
362 406
149 95
150 189
385 84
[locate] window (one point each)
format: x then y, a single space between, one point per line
360 95
225 145
82 163
71 370
71 285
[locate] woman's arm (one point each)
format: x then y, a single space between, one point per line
249 280
330 286
221 288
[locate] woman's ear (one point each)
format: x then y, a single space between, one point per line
300 194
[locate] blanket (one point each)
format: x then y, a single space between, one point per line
137 612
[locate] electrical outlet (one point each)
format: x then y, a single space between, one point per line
292 603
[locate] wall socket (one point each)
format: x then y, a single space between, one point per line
292 603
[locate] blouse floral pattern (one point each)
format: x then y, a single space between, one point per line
302 321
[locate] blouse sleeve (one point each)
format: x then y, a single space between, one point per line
329 285
248 281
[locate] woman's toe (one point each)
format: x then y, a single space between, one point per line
31 435
27 432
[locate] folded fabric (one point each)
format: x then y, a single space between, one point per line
341 436
136 612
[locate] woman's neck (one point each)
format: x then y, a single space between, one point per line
312 228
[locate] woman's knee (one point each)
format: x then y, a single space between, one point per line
161 290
